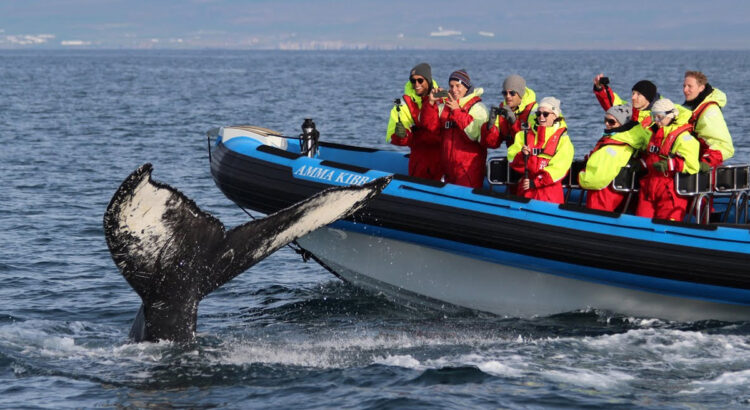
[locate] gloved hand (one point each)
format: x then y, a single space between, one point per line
661 166
636 166
705 167
494 112
508 114
400 130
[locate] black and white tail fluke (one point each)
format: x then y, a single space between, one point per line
173 254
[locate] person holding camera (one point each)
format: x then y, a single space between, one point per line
621 140
519 102
671 149
406 129
543 154
458 116
643 94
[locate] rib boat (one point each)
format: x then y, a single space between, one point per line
447 246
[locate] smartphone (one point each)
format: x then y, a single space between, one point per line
442 94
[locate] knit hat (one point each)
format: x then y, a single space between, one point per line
515 83
664 106
552 103
622 113
461 76
647 89
424 70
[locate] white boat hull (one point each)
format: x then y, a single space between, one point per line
403 270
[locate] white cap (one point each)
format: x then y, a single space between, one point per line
552 103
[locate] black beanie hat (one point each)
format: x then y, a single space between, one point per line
424 70
647 89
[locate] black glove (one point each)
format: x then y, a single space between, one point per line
660 166
705 167
636 166
400 130
508 114
494 112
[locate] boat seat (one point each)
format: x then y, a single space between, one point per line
732 181
499 172
732 178
693 184
727 180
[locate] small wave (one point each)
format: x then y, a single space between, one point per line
605 380
406 361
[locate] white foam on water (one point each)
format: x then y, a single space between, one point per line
600 380
350 350
405 361
33 340
738 379
675 346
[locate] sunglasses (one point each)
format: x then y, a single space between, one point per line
416 80
610 121
543 114
511 93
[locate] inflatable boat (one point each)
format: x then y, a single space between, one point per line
448 246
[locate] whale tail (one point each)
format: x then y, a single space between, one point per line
173 254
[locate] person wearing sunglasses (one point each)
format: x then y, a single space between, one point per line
622 139
459 118
707 119
671 149
543 154
519 102
406 129
642 96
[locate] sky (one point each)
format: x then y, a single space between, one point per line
380 24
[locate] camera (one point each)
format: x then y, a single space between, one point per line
604 81
442 94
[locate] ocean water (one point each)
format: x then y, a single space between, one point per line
286 333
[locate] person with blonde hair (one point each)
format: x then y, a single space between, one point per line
707 119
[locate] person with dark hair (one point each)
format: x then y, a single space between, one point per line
519 102
621 140
642 95
406 129
707 119
459 117
543 154
671 149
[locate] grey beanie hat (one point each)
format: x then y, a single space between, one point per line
424 70
622 113
516 83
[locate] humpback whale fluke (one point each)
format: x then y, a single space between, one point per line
173 254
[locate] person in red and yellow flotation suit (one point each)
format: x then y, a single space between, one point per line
543 153
622 139
671 149
642 96
519 102
459 118
707 119
406 129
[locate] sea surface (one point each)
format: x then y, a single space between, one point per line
287 334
